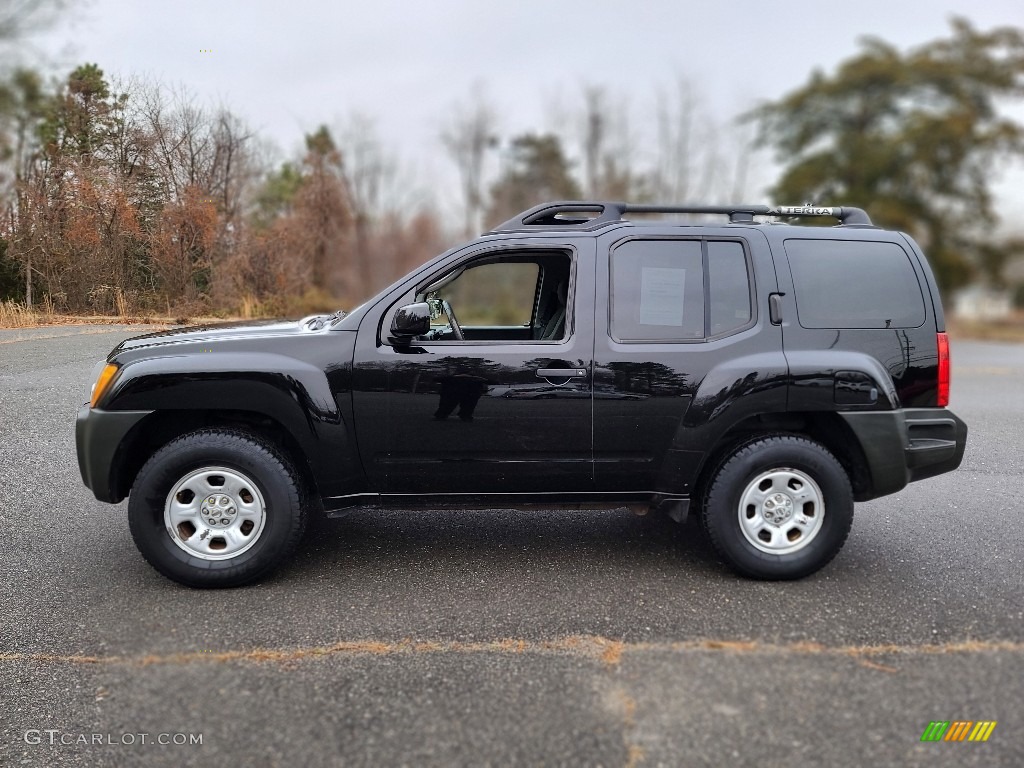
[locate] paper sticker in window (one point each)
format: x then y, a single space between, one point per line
661 296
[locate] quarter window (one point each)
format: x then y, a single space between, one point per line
854 284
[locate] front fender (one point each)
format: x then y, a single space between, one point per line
197 381
294 394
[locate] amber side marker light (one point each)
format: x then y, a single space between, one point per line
102 383
943 399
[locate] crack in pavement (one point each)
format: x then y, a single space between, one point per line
608 652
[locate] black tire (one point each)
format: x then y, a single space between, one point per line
772 458
275 479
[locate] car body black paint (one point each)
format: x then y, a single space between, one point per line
475 422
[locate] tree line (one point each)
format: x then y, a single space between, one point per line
136 195
129 195
133 194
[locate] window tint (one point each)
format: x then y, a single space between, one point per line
729 286
501 293
513 297
854 284
657 290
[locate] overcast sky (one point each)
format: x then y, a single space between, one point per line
288 66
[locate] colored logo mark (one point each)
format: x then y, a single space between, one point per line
958 730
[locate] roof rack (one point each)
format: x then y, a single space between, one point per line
592 214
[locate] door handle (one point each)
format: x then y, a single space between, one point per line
561 373
775 308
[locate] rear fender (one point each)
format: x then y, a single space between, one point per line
732 392
818 378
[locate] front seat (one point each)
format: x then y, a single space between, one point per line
554 328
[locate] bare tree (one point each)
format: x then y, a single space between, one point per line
745 160
595 132
679 148
369 174
698 157
467 138
608 146
233 163
323 207
22 107
385 203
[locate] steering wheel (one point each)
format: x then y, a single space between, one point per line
456 328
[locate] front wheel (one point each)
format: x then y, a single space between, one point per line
217 508
781 507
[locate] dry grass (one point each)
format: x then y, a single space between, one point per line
18 316
15 315
121 303
250 307
131 311
634 756
875 665
599 649
313 301
612 655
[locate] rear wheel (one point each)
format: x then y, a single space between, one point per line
780 507
217 508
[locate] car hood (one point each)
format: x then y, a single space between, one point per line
224 331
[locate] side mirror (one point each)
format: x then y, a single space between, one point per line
410 321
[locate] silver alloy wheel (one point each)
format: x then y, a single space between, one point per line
781 511
215 513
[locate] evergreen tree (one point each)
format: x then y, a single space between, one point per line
915 138
537 171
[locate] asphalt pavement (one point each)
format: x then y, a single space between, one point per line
497 637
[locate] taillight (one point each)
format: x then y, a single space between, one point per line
943 399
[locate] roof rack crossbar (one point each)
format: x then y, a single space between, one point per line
597 213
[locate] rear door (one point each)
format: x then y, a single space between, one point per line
675 309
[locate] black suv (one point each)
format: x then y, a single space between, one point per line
765 375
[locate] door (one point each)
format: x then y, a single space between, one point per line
682 350
496 398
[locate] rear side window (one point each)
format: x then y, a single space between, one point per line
854 284
658 290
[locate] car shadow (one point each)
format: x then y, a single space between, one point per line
514 536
